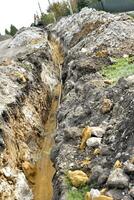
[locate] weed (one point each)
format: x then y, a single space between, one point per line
122 68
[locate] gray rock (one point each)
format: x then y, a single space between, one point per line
129 168
98 131
127 197
117 179
116 194
103 177
93 142
72 133
96 172
132 192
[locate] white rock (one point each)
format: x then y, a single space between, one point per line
93 142
117 179
97 131
94 193
22 190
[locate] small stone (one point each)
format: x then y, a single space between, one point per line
106 106
132 192
129 167
86 134
117 179
97 170
97 151
98 131
77 178
29 170
103 177
109 82
117 194
117 164
96 195
93 142
71 133
127 197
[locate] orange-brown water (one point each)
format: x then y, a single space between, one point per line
45 171
43 189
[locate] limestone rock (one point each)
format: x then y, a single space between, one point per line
22 190
77 178
129 167
132 192
98 131
118 164
106 106
96 195
93 142
29 170
117 179
86 134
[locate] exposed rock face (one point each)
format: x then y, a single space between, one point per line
95 131
28 77
91 39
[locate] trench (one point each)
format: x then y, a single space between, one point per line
43 189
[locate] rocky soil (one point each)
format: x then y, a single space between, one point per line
28 76
94 140
105 149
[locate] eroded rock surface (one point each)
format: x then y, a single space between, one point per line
28 76
93 40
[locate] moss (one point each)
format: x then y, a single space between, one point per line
122 68
77 194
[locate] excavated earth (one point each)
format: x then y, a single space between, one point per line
35 116
91 39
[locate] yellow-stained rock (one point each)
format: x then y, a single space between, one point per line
86 134
77 177
29 171
132 160
118 164
106 105
85 162
101 197
103 191
102 53
109 82
97 151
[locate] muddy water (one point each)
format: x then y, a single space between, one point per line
45 170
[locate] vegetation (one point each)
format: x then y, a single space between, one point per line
77 194
12 31
47 19
88 3
59 9
123 67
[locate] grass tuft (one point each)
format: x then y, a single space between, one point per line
122 68
77 193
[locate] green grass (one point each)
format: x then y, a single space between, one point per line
122 68
77 194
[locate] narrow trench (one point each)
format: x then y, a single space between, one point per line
43 189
